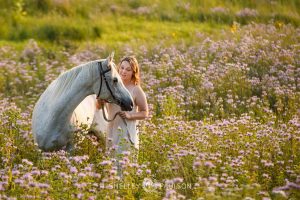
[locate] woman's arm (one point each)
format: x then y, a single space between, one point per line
141 102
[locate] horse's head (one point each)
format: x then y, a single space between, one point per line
110 86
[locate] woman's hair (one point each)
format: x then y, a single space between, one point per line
134 66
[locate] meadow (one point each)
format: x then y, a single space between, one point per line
222 80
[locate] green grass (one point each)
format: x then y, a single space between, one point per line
122 30
134 22
129 30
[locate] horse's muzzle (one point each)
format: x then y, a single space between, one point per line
126 106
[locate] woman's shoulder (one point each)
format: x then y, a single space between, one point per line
139 95
137 90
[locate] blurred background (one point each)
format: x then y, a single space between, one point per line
118 22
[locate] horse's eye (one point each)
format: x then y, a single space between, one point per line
115 80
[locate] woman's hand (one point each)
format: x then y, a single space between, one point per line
125 115
99 103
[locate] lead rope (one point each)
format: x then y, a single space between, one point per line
110 120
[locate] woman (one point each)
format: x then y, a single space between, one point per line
122 133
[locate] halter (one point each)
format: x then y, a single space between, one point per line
102 74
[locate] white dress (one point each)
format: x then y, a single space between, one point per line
122 134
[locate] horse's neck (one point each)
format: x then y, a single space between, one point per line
69 101
81 87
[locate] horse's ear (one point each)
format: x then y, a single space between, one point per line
111 57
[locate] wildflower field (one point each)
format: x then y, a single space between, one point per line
223 94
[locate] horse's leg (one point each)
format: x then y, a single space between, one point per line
99 126
86 113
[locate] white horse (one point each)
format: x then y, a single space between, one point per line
52 125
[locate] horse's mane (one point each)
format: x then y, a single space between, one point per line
63 83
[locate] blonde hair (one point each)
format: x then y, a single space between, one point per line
134 66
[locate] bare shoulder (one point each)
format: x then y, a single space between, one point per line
140 98
138 91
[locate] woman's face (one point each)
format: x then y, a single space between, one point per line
125 71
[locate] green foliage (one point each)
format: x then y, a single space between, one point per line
55 31
80 21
